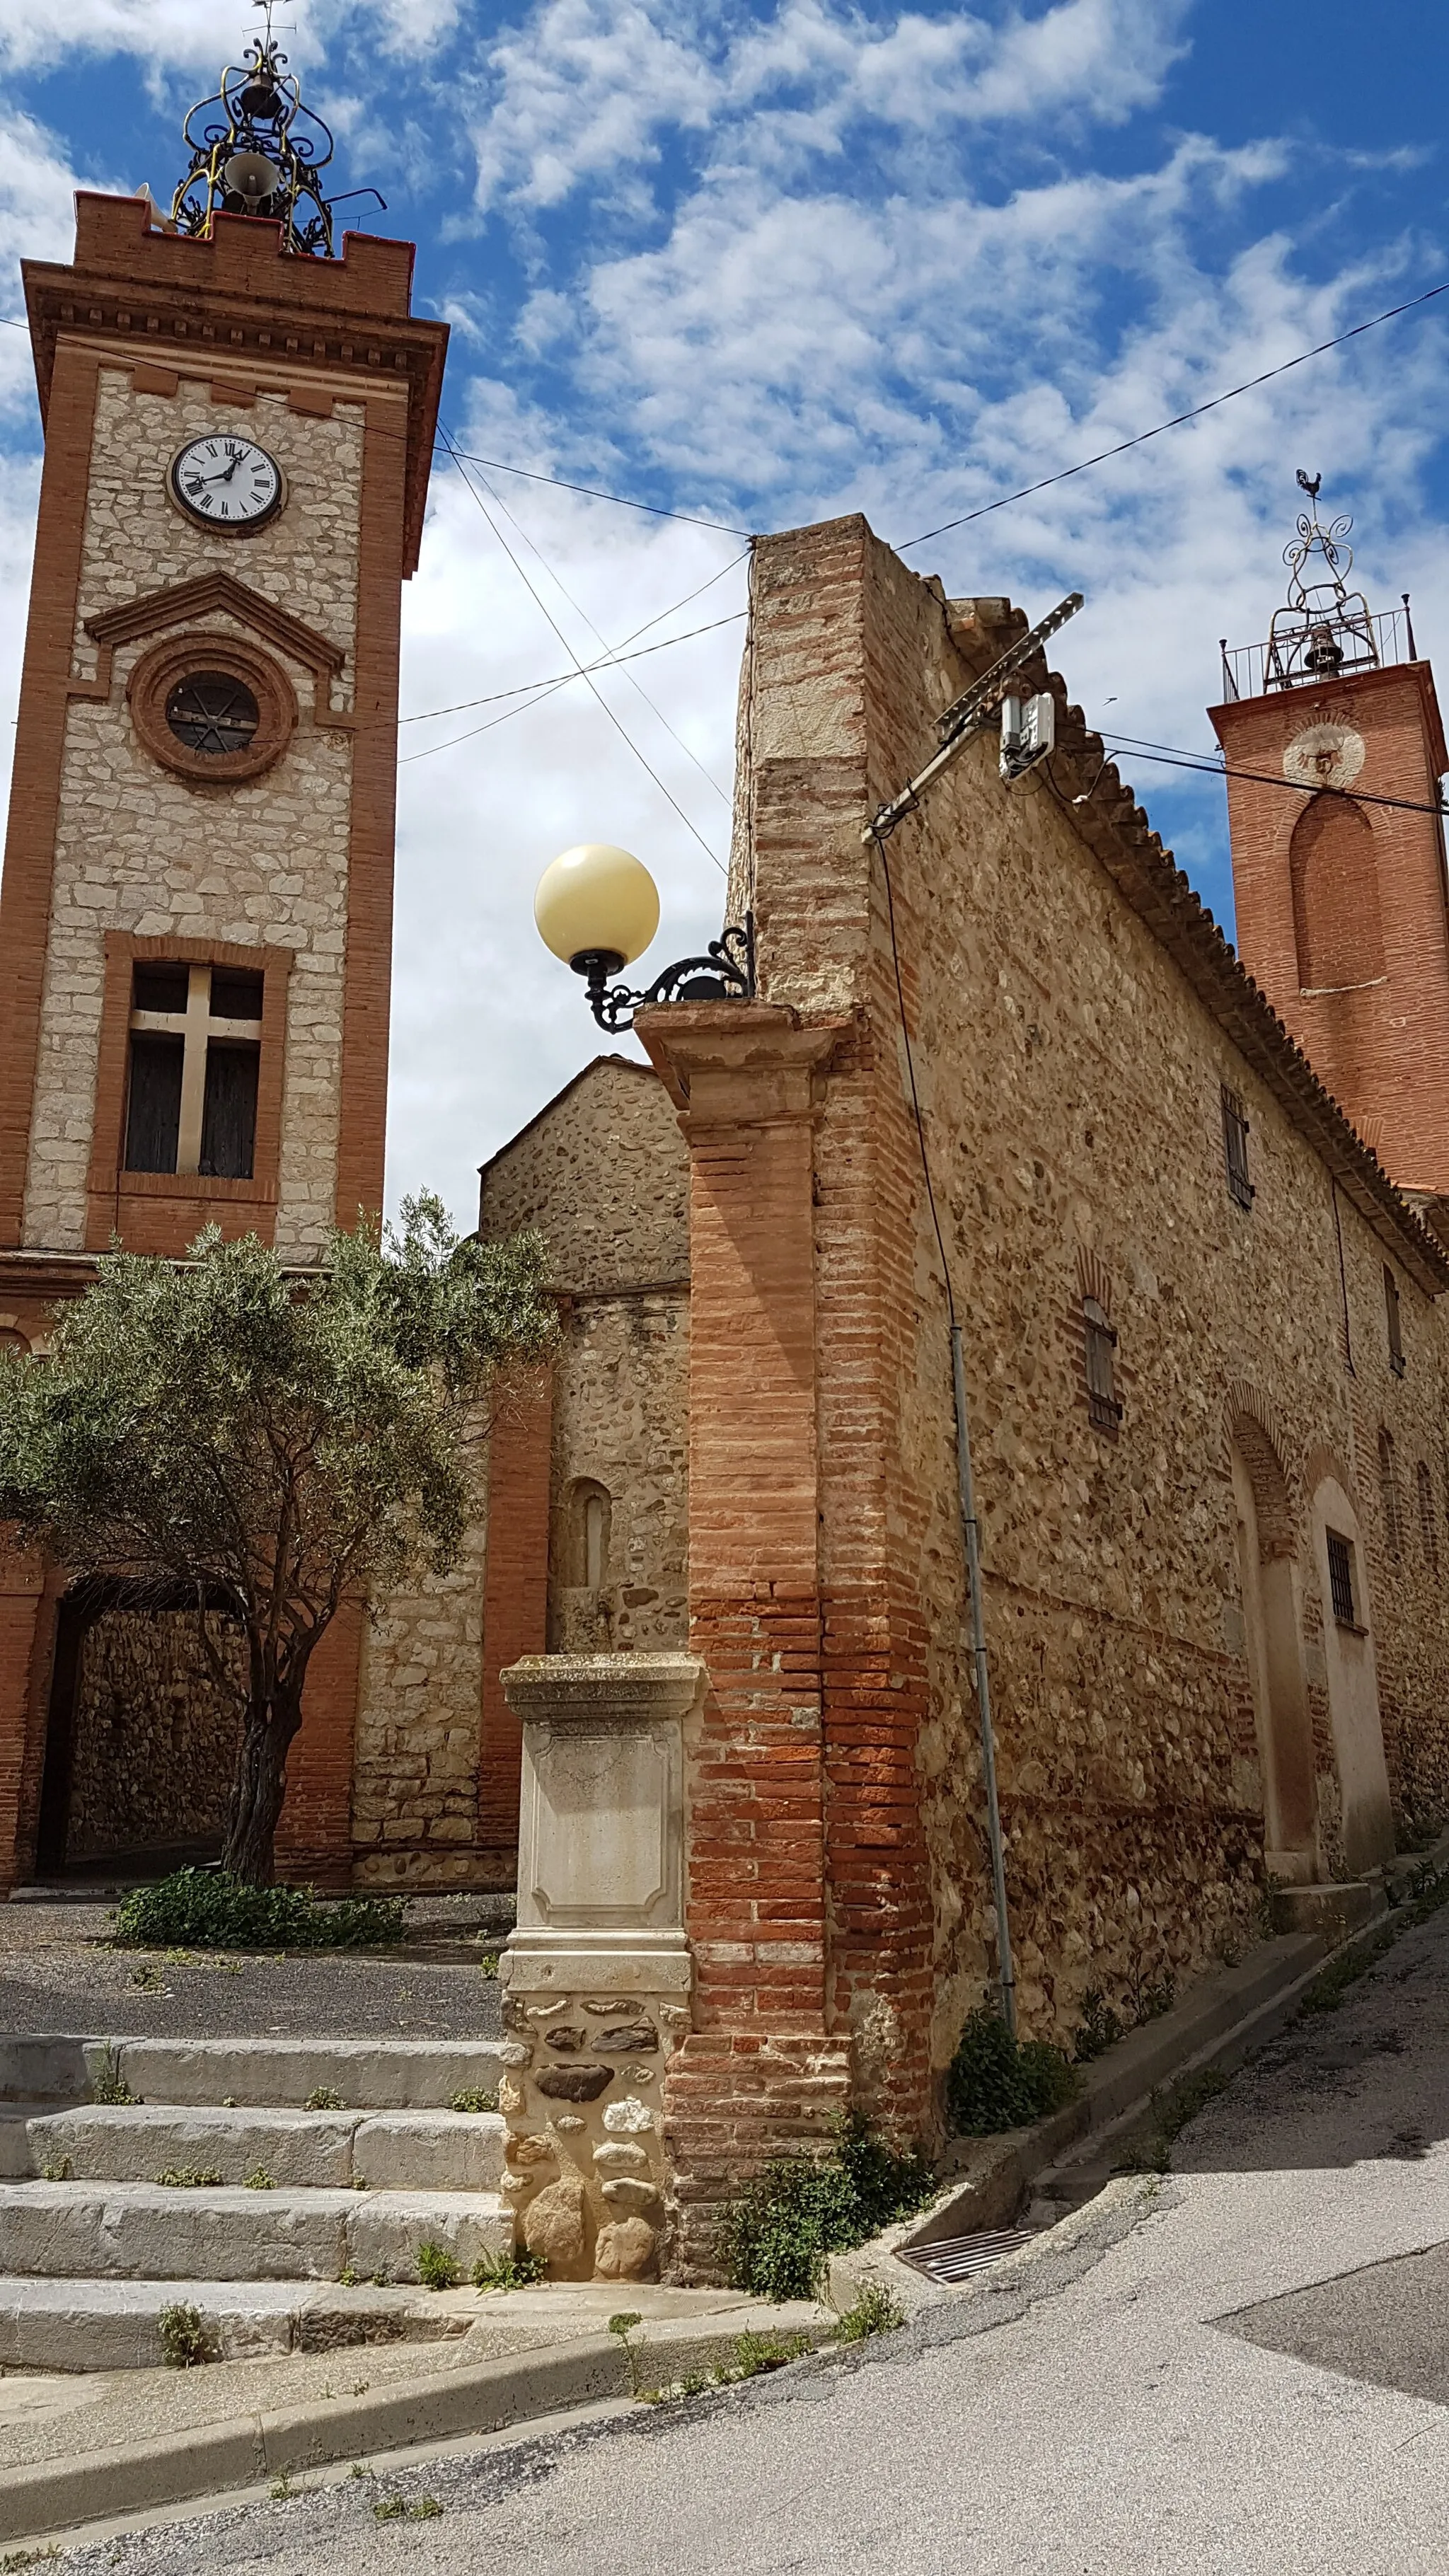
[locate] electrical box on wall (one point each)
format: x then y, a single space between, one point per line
1028 733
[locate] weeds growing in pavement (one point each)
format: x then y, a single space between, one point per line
258 2180
995 2082
189 2178
1171 2112
61 2172
437 2268
475 2097
109 2084
801 2209
324 2099
396 2508
515 2270
623 2326
488 1963
1099 2029
282 2489
186 2339
876 2311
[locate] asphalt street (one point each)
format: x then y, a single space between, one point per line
1240 2367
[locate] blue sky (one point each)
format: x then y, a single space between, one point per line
766 263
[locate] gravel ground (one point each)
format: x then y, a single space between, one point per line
58 1973
1145 2393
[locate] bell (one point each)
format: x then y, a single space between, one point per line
260 98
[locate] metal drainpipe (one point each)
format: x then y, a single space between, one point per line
971 1530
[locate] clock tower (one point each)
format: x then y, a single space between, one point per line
196 910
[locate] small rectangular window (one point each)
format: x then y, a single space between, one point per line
1396 1330
1235 1148
160 987
1102 1404
1340 1580
235 994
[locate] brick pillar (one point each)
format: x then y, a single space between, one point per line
515 1590
760 2073
314 1838
27 1630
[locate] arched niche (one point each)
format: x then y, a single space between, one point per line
1337 923
1353 1691
1268 1576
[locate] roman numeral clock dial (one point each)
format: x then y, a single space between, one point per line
228 483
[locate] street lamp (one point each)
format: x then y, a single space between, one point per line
597 907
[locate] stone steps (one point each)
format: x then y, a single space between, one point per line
147 2231
73 2325
323 2251
365 2074
300 2150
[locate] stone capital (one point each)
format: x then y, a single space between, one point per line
614 1692
732 1064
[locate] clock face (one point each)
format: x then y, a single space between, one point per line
227 482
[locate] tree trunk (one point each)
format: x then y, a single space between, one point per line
260 1786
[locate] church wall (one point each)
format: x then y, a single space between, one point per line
1070 1081
259 862
155 1740
601 1173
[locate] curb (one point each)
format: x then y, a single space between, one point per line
1221 2022
53 2500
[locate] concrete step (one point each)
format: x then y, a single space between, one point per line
149 2231
301 2150
80 2325
365 2074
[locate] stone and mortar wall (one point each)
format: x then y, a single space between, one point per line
1070 1083
602 1173
154 1749
584 2171
415 1787
262 862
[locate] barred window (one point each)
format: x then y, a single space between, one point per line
1396 1330
1340 1580
1102 1404
1235 1149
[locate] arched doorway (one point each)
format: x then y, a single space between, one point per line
1353 1691
140 1747
1268 1578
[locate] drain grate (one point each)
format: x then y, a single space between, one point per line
956 2258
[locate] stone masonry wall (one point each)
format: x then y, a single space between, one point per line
256 863
155 1738
1070 1080
602 1172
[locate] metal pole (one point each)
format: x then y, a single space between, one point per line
971 1530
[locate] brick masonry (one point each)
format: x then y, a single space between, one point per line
1075 1017
144 341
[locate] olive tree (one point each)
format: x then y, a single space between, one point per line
223 1431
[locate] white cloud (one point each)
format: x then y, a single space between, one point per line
587 88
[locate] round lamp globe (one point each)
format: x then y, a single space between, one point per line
596 901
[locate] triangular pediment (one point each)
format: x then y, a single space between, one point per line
216 593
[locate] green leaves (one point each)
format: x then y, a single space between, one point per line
228 1434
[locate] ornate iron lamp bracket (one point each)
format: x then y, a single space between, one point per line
725 973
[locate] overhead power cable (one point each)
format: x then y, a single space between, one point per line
606 662
656 510
583 674
1214 403
1165 757
636 685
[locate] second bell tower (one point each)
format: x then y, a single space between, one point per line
1335 749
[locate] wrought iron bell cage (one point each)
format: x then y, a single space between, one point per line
257 150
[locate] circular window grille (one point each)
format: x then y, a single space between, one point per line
212 713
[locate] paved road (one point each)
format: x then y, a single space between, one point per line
1239 2370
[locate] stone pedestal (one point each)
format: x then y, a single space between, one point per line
597 1976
